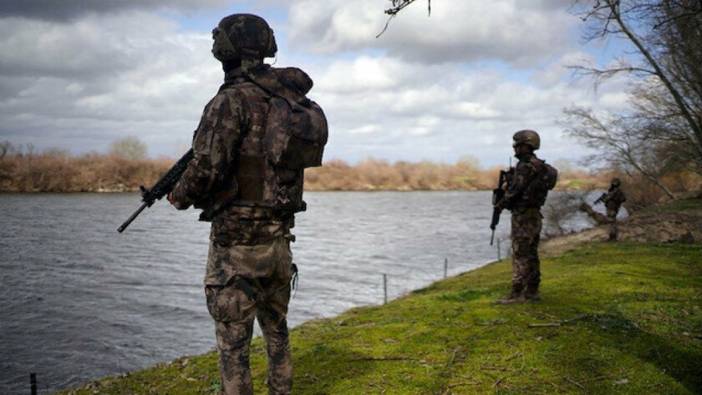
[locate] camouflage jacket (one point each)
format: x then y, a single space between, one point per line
518 194
238 110
614 198
244 240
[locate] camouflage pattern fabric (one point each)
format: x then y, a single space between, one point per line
525 204
613 202
614 199
249 260
518 194
238 109
526 233
613 225
235 305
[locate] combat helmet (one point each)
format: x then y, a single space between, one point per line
243 36
527 137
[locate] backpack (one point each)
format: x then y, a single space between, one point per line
548 177
544 181
281 143
296 133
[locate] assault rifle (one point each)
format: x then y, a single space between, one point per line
497 195
600 199
162 187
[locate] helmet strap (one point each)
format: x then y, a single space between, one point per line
231 65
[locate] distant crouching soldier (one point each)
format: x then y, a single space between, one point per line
526 188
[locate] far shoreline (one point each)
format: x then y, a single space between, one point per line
132 191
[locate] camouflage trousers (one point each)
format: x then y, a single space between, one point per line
526 233
613 226
234 307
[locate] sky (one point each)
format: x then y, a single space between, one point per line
79 74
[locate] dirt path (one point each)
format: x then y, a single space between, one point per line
677 222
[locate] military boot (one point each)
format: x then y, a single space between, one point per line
532 296
514 297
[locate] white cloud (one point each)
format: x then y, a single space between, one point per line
68 9
457 83
446 112
517 32
81 85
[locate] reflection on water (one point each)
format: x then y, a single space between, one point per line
80 301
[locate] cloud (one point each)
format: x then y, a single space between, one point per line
63 10
457 83
81 85
89 47
517 32
414 111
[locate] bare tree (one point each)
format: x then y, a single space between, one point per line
619 144
666 37
130 148
397 6
5 148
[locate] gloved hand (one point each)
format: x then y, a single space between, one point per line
178 205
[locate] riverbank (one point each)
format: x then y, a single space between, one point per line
679 221
623 318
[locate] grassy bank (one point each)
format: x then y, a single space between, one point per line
623 318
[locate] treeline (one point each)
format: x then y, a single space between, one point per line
373 174
23 170
58 171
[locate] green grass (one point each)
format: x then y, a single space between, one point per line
676 206
630 322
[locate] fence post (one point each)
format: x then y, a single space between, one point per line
385 288
33 383
445 267
499 251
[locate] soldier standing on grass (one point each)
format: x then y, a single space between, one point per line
253 142
613 200
525 193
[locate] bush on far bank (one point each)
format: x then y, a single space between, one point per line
24 170
59 171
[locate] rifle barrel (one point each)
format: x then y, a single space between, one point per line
132 218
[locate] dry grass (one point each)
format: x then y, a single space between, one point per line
373 174
58 171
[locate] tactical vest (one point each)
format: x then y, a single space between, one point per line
615 198
281 138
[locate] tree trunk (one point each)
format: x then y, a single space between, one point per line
599 218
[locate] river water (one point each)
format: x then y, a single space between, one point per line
80 301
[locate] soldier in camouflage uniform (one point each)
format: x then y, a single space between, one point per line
249 265
613 200
524 199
